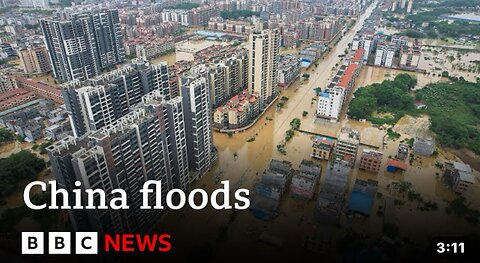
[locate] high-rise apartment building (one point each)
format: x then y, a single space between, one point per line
263 64
34 60
97 102
195 91
227 78
84 45
143 145
219 84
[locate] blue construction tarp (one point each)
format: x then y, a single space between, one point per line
391 169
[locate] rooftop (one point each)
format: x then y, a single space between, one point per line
347 76
357 57
39 85
397 164
360 202
372 153
462 167
466 177
323 139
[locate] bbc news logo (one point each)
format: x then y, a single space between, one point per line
87 243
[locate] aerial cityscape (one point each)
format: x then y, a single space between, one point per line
353 123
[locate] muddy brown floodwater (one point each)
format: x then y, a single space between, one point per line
240 162
458 63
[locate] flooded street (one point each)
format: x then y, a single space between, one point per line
240 162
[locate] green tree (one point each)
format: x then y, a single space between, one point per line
362 107
20 166
295 123
405 81
6 135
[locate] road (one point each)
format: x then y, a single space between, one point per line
240 161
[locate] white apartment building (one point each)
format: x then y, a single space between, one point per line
263 48
330 103
176 15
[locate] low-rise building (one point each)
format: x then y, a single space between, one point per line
288 71
311 53
270 189
278 174
384 55
395 165
370 160
347 145
402 152
458 176
239 111
31 132
348 78
15 97
410 56
305 180
424 146
149 47
322 147
331 198
331 99
362 197
41 89
191 50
